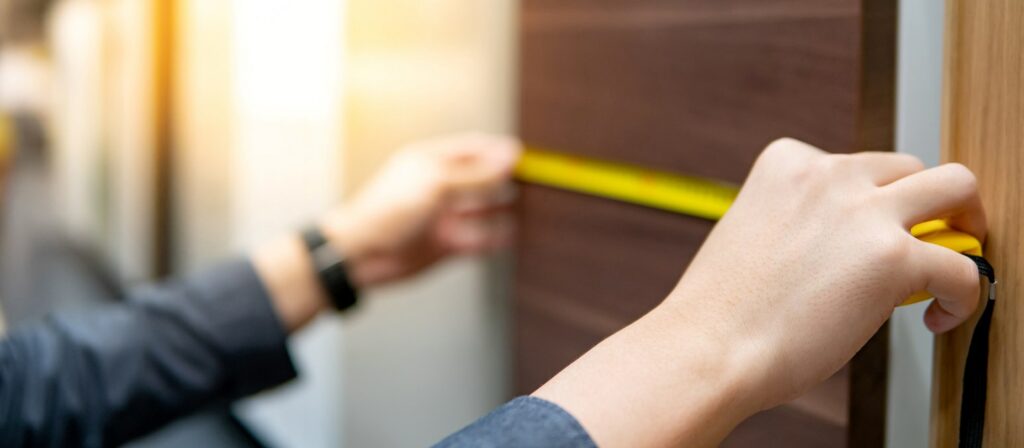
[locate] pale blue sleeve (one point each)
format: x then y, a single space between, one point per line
523 422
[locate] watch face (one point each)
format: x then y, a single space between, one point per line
330 267
325 257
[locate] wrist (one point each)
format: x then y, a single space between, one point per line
746 352
332 269
716 372
664 380
345 234
728 361
287 272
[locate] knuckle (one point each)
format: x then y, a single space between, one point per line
782 143
775 151
781 149
961 178
795 161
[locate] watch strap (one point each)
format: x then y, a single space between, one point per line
329 263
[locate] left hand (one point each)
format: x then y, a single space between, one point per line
432 199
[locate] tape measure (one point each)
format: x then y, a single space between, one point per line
688 195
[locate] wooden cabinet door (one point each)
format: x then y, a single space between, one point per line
983 128
697 87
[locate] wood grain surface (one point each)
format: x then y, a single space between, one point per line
697 87
983 128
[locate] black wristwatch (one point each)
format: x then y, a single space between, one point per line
329 263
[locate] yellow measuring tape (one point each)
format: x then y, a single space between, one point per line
677 193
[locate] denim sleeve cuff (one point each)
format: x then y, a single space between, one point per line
524 421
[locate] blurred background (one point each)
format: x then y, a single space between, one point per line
141 139
146 138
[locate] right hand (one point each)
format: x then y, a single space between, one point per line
816 253
808 263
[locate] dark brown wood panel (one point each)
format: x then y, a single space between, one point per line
559 333
604 242
697 87
568 235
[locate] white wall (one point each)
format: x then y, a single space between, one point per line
282 109
426 357
286 83
102 129
77 37
130 138
259 122
203 117
917 132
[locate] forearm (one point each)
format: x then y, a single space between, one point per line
106 376
665 380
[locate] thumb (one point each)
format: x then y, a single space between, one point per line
953 279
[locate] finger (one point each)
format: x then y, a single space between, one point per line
946 191
480 235
953 279
480 162
483 212
501 197
886 167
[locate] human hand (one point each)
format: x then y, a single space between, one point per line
816 253
805 267
432 199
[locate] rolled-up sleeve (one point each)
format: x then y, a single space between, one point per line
102 377
523 422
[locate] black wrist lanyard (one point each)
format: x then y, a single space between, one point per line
975 383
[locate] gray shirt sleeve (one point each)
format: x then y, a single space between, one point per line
102 377
523 422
